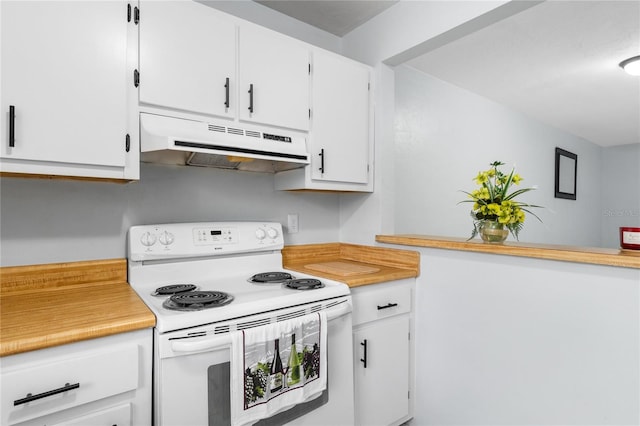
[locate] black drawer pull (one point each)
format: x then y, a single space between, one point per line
387 306
30 397
364 360
12 125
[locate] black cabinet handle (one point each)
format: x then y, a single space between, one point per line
226 93
251 98
30 397
12 126
364 360
321 160
387 306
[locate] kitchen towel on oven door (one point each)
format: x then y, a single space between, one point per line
277 366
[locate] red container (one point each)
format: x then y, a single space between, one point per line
630 238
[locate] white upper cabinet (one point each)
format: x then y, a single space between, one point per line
64 100
273 79
340 136
340 119
187 58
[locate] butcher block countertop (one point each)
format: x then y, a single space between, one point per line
54 304
592 255
355 265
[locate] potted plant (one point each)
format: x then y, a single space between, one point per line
496 212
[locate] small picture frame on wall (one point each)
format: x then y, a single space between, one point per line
566 174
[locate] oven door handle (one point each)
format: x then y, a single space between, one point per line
219 341
189 345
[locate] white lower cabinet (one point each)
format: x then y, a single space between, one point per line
383 352
104 381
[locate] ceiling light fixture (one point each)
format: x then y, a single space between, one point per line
631 65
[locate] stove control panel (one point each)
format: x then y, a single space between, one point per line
180 240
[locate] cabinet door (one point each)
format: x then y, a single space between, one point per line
187 58
382 388
116 416
275 69
339 119
64 72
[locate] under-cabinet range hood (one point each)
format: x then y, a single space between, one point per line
170 140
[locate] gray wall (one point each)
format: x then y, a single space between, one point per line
445 135
44 221
620 191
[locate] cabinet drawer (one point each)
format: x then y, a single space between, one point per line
41 388
378 301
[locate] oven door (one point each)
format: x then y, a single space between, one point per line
192 378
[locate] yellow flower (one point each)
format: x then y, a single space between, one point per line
481 178
516 179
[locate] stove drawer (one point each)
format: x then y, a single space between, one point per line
44 386
377 301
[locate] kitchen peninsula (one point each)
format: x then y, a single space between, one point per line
525 333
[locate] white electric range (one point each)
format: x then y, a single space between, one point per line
203 281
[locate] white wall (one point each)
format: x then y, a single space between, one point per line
446 135
621 191
45 221
540 343
405 29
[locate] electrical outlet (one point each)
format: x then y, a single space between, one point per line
292 223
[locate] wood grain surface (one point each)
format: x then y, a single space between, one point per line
55 304
391 264
591 255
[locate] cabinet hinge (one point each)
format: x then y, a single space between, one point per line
408 394
368 86
127 143
136 78
309 69
309 112
409 335
136 15
128 12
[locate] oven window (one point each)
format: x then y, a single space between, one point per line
219 400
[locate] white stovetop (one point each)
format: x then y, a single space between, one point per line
222 275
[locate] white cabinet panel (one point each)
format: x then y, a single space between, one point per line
64 69
92 382
382 387
340 119
275 69
187 58
117 416
383 352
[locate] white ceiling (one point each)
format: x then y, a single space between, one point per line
556 62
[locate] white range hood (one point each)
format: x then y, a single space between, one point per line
221 144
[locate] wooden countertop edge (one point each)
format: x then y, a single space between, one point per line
589 255
392 264
25 344
59 303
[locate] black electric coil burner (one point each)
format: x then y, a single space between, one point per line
173 289
270 277
304 284
197 300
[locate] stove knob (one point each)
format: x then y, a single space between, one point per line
148 239
166 238
272 233
260 234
